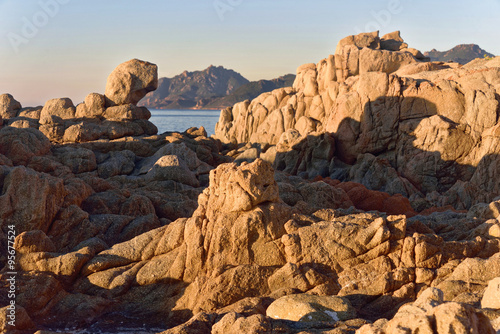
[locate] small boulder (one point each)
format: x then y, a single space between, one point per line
117 163
30 112
62 108
233 323
18 122
92 107
304 307
9 107
130 82
83 132
289 276
392 42
491 297
196 132
127 112
171 167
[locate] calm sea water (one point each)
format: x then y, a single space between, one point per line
181 120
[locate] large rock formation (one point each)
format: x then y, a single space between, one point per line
431 125
111 116
163 232
242 249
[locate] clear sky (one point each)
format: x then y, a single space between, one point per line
67 48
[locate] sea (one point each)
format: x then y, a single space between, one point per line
181 120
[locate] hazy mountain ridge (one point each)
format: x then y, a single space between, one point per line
186 90
251 90
214 88
462 54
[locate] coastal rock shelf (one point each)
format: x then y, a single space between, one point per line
361 200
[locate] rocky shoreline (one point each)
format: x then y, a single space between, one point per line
364 199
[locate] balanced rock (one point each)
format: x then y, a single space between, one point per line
130 82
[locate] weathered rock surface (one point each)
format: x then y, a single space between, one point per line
491 298
111 116
130 82
252 245
21 145
311 308
429 314
9 107
329 203
374 113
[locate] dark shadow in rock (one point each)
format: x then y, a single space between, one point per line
85 305
396 147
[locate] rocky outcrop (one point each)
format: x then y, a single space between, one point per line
70 199
244 254
377 108
430 314
111 116
167 232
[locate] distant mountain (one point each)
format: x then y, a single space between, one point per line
251 90
462 54
212 88
190 89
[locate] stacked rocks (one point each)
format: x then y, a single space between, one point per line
110 116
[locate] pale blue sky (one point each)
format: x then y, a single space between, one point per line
78 42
